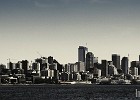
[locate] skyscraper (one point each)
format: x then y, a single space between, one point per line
10 65
25 65
89 61
104 68
124 65
137 65
139 58
116 60
82 51
50 60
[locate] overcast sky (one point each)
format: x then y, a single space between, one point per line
57 27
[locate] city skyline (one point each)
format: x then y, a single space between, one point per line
84 56
57 27
87 70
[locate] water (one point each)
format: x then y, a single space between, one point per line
69 92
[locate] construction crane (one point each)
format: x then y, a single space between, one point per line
39 54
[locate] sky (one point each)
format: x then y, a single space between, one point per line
58 27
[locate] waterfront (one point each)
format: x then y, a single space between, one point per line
68 92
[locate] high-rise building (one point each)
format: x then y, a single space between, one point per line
43 62
124 65
104 68
25 66
82 51
89 61
10 65
112 70
116 60
50 60
137 65
139 58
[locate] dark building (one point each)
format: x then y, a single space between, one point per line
10 64
89 61
25 65
42 61
5 72
56 74
36 66
124 65
53 66
39 60
137 65
82 51
1 68
97 65
139 58
17 71
116 60
110 68
104 68
64 76
18 65
59 66
50 60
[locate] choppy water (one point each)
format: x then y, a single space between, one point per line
69 92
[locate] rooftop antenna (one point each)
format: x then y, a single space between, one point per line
86 44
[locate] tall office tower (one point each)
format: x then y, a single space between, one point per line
82 51
10 65
124 65
137 65
89 61
104 68
50 60
116 60
139 58
25 66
